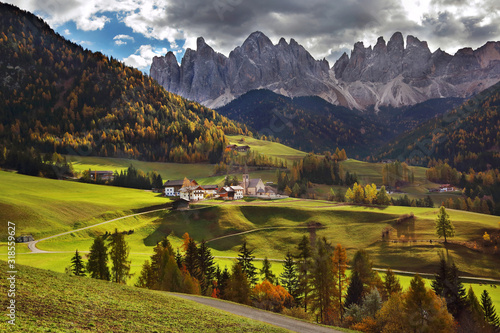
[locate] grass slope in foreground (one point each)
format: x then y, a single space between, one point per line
54 302
44 207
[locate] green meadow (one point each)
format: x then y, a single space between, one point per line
54 302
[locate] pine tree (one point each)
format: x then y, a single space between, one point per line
222 278
289 278
354 291
266 272
447 284
304 258
191 261
444 227
178 259
391 284
97 266
78 268
489 310
119 251
323 281
362 264
238 287
245 258
207 268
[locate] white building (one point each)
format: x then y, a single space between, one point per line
192 193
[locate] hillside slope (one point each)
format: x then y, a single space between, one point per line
49 301
468 136
56 96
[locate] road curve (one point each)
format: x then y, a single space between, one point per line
32 245
288 323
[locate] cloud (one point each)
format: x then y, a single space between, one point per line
122 39
325 27
67 32
143 57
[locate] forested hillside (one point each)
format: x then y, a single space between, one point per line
466 137
57 97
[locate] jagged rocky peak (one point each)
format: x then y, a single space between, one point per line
391 73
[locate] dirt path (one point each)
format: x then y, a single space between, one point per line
288 323
32 245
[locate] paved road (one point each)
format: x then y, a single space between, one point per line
34 249
260 315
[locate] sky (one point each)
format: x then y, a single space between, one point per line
134 31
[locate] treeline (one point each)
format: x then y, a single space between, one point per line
396 174
312 168
468 136
369 194
31 162
231 159
58 97
480 190
132 178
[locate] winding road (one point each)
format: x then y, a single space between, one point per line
288 323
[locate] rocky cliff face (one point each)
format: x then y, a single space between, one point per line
387 74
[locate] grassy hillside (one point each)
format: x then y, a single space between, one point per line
54 302
44 207
268 148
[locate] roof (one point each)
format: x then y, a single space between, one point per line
210 187
237 187
100 172
253 182
175 182
269 189
190 188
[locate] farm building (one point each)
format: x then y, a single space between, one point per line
172 187
192 193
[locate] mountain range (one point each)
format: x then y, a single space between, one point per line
391 74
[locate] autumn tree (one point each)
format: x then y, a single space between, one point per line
119 251
340 262
444 227
97 265
270 297
78 267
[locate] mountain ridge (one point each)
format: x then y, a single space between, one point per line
389 74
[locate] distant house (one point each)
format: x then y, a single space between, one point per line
172 187
101 175
446 188
192 193
180 204
25 239
238 148
231 192
256 187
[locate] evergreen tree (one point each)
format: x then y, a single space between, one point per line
245 258
178 259
476 313
222 281
289 278
323 282
146 277
354 291
238 287
391 284
444 227
191 261
78 268
362 265
447 284
119 251
304 258
383 198
489 310
266 272
207 268
97 266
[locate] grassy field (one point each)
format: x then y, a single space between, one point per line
43 207
268 148
54 302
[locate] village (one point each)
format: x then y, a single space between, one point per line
188 190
